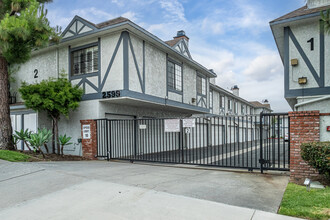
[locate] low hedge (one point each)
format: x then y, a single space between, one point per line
317 155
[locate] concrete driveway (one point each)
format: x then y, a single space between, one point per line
35 186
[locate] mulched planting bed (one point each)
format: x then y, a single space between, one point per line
35 157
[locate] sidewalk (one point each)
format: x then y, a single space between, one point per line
98 199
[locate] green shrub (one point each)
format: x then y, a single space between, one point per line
317 155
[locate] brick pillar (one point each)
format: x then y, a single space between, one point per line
304 128
89 145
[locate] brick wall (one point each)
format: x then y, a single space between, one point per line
304 128
89 146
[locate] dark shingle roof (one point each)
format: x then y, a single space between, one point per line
300 12
260 105
172 42
112 22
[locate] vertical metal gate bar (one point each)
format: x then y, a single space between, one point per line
261 138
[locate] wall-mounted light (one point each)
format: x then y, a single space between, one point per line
302 80
193 100
294 62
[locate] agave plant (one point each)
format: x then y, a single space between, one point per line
23 135
36 140
64 140
325 17
46 136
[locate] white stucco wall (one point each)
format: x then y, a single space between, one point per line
134 82
45 63
322 106
189 84
155 71
303 33
115 77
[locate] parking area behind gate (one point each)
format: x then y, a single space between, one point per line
249 142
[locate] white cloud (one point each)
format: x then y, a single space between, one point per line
174 10
211 26
93 14
264 67
130 15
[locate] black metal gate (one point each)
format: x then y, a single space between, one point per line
252 141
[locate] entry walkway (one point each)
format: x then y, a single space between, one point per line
104 200
101 190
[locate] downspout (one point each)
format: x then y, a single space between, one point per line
311 101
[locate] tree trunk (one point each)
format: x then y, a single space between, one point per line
56 119
6 141
46 147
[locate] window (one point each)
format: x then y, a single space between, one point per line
251 111
211 99
174 76
242 109
222 102
201 85
85 61
229 105
235 107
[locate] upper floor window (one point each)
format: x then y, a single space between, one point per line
229 105
84 61
201 85
211 99
222 102
242 109
174 76
236 107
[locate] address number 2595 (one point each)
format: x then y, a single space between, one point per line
110 94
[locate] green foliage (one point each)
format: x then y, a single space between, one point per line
64 140
325 17
13 156
46 134
297 201
317 155
36 140
23 28
22 135
56 96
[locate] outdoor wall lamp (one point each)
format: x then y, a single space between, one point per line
294 62
302 80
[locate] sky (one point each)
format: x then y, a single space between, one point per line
231 37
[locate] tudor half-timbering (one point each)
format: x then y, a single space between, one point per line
125 72
305 52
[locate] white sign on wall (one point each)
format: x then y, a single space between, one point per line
86 131
172 125
142 127
188 123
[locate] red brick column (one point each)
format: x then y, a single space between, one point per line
89 145
304 128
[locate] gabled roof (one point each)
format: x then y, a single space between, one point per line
80 27
228 93
112 22
260 105
173 42
300 12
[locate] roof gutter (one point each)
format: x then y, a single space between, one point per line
294 18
